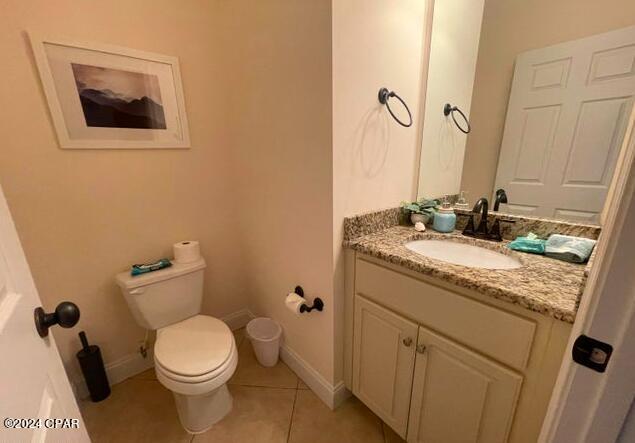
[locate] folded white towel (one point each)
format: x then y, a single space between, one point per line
569 248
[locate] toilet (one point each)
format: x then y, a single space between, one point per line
194 355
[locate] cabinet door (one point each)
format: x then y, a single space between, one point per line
383 362
459 395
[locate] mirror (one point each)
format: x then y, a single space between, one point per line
547 88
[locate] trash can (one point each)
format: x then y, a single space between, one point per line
264 334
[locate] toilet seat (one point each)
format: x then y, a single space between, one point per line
195 356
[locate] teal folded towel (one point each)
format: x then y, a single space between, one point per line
150 267
568 248
530 243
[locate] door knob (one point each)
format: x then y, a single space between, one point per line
66 315
407 341
421 349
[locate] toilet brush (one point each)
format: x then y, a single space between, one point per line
93 369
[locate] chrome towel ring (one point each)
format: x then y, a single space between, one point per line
449 109
384 95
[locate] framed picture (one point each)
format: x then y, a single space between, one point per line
107 97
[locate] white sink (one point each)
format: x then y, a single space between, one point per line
462 254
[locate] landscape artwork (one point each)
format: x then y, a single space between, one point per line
115 98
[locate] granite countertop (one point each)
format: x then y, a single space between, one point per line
551 287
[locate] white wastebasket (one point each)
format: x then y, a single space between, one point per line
264 334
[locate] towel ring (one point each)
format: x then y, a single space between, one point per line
384 95
449 109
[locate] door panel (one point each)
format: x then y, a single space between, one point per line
383 362
459 395
565 123
33 382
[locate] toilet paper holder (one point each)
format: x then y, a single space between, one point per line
318 304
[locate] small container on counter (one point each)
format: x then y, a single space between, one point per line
444 218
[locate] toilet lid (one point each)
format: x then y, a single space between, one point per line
194 346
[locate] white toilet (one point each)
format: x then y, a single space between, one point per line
194 354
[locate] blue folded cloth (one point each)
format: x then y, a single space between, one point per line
568 248
530 243
150 267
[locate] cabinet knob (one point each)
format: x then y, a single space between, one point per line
407 341
421 349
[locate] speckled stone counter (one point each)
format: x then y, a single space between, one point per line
542 284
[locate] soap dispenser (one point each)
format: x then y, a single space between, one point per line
444 218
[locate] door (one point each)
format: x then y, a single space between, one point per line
33 383
590 406
566 118
383 362
459 396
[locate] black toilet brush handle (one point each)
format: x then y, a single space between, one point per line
82 337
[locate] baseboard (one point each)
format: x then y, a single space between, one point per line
118 371
331 395
133 364
238 319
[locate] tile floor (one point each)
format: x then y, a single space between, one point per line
270 405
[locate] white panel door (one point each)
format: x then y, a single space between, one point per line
33 383
459 396
383 362
566 119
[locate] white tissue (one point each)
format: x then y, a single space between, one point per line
419 226
186 251
293 302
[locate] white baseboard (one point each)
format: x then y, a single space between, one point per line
331 395
238 319
133 364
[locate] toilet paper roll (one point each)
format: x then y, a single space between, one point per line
186 251
293 302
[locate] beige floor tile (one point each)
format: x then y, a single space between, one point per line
314 422
146 375
239 336
136 411
391 436
250 373
301 384
260 415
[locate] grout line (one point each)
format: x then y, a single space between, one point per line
246 385
295 398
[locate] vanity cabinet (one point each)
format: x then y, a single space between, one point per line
439 363
459 395
384 361
407 374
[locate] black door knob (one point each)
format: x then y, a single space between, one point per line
66 315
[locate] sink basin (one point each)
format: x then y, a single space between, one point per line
463 254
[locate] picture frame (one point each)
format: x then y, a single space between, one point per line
103 96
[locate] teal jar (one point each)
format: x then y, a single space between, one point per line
444 219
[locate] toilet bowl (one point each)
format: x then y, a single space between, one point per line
194 355
194 359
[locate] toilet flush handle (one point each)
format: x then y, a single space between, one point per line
137 291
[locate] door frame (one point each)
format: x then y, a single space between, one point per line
587 405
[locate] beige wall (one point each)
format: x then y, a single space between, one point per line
82 216
278 103
284 145
375 161
510 27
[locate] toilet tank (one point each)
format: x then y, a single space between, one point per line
164 297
